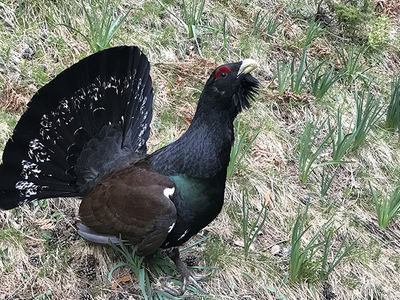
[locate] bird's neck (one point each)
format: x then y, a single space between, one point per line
203 151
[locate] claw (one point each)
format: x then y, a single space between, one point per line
186 281
187 278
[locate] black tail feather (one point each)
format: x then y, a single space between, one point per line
89 120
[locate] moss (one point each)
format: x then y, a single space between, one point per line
378 38
216 253
11 235
350 280
353 14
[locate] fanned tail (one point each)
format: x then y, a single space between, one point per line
91 119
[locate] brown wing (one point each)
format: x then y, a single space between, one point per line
131 202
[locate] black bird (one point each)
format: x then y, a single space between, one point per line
84 135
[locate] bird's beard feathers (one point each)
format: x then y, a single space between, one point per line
247 92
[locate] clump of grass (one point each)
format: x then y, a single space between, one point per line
353 67
342 143
258 23
393 110
327 179
310 139
192 12
225 34
103 26
387 208
135 263
322 81
161 265
297 75
265 24
282 74
368 115
241 146
311 262
313 30
251 228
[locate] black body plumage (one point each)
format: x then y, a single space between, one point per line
84 135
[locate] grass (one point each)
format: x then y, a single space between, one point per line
387 208
292 75
321 81
313 30
160 264
343 142
304 261
327 179
352 61
102 26
369 111
393 110
297 75
282 74
265 24
192 12
240 147
251 228
310 139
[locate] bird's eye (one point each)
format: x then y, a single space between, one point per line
222 72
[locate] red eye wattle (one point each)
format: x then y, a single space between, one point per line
222 71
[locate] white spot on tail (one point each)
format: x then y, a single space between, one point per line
171 227
76 131
183 235
26 188
168 192
29 168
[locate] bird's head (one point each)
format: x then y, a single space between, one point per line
231 87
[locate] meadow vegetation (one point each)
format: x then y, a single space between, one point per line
312 199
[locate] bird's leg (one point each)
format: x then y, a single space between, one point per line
187 278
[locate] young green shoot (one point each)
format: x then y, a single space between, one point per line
241 146
136 264
327 179
309 140
161 266
353 67
282 74
393 110
103 26
342 143
297 75
265 24
258 23
367 116
192 12
342 251
251 228
308 262
313 30
322 81
225 33
387 208
299 256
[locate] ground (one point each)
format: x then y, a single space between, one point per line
41 256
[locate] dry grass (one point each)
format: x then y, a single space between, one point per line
40 253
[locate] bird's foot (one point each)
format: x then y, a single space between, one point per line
187 278
186 281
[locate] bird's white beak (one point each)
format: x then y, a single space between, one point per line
247 66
